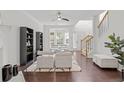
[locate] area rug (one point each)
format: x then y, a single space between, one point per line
75 68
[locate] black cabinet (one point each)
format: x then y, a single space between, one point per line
26 45
39 41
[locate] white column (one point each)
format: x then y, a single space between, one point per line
1 60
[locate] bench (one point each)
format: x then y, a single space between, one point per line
105 61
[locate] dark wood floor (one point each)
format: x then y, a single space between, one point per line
90 73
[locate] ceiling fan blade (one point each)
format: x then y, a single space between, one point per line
65 19
59 17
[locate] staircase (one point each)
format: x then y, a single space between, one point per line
86 46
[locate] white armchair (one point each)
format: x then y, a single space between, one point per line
63 60
45 61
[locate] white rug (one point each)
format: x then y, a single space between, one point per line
33 68
18 78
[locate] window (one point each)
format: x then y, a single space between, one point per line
59 39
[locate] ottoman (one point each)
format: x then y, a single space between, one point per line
105 61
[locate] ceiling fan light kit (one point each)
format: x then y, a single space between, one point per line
59 17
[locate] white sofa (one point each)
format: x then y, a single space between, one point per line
105 61
63 60
45 61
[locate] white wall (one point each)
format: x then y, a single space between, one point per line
95 34
1 57
82 29
19 18
116 25
69 28
9 46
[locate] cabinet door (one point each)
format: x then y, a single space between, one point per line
23 48
37 40
41 42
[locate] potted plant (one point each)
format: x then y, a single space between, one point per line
117 50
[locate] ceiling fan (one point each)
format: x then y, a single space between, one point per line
59 17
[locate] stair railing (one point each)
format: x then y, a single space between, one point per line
86 45
103 19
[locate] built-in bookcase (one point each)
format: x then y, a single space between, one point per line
39 41
26 45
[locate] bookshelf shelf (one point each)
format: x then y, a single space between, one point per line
26 45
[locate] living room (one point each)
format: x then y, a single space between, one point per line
48 45
96 57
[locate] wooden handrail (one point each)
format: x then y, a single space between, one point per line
87 41
86 37
103 19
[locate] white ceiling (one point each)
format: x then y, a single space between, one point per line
47 16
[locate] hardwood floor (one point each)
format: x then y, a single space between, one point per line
90 73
